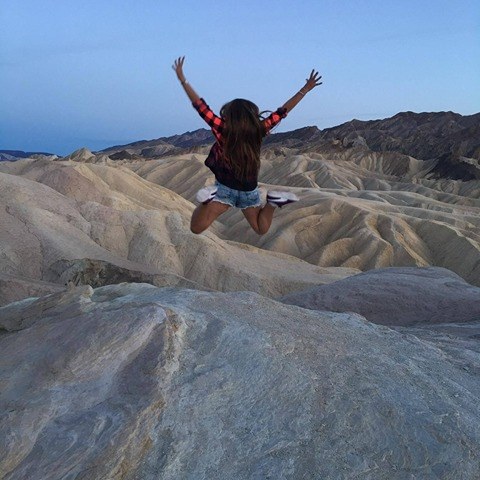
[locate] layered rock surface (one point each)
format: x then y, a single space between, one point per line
397 296
140 381
356 210
62 219
134 381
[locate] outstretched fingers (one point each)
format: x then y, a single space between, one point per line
314 80
317 79
178 67
178 63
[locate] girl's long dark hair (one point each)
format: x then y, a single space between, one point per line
242 134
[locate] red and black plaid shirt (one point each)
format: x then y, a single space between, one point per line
215 160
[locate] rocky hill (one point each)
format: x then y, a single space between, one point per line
424 135
12 155
72 220
453 140
450 138
160 147
134 381
358 211
343 344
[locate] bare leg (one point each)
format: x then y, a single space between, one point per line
260 218
204 215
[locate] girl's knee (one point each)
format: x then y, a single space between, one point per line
197 229
259 230
204 215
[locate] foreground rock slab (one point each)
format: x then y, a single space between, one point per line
133 381
397 296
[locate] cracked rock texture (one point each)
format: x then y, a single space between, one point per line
133 381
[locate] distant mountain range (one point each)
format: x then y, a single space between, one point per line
12 155
451 138
161 146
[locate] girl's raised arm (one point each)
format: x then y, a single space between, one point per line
178 67
311 82
215 122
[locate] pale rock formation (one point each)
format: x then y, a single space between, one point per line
357 210
40 156
136 382
81 155
56 213
133 381
397 296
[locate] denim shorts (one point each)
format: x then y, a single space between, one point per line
237 198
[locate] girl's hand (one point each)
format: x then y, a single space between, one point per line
313 81
178 67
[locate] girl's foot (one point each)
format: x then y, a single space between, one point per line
279 199
206 194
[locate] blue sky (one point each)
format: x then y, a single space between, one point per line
97 73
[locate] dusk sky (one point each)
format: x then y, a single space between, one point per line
98 73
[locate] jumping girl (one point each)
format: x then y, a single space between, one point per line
235 158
